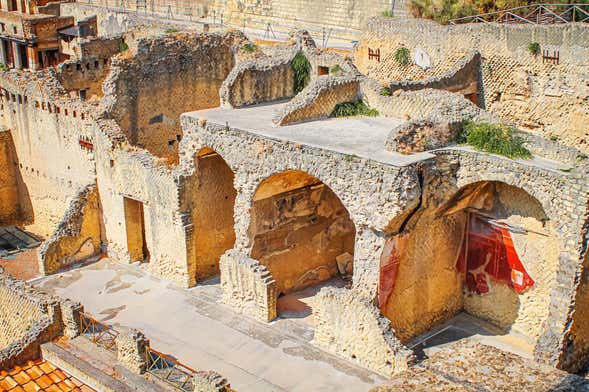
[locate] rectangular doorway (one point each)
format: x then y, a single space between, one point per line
135 224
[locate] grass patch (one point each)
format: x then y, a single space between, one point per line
302 72
385 92
353 108
403 56
498 139
387 13
171 30
250 47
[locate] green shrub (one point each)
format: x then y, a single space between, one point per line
385 92
353 108
335 69
249 47
498 139
403 56
4 67
302 72
444 10
534 48
123 46
171 31
387 13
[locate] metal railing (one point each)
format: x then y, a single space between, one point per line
170 370
99 333
533 14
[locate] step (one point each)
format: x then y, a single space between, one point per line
96 367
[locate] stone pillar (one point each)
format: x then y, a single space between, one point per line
247 286
16 55
2 52
70 316
32 56
210 382
367 253
132 349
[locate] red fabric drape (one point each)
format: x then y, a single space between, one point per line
488 253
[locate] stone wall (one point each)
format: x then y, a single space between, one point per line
147 91
77 237
247 286
516 85
355 330
257 81
463 78
318 99
299 234
39 115
207 198
348 14
28 317
11 210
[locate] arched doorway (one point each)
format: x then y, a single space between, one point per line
488 253
302 233
210 202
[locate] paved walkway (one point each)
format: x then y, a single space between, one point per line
192 326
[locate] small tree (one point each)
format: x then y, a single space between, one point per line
534 48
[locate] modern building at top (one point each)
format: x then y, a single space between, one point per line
34 35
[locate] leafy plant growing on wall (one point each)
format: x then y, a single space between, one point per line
353 108
302 72
498 139
249 47
402 56
3 67
123 46
534 48
385 92
387 13
336 69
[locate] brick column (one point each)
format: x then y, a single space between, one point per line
132 349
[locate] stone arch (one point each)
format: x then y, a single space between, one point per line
424 279
208 198
300 230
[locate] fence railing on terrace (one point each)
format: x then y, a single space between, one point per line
170 370
539 14
99 333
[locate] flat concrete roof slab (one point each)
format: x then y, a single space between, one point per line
361 136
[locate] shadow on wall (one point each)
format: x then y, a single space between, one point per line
486 250
300 231
15 202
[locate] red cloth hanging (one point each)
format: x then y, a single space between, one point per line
490 254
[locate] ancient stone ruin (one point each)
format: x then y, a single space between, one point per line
211 206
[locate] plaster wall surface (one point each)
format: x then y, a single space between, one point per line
52 164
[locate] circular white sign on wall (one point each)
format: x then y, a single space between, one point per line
422 59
